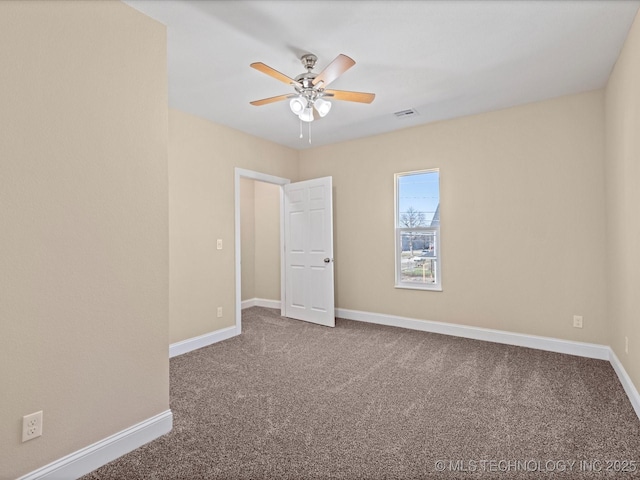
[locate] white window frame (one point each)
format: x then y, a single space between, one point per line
437 286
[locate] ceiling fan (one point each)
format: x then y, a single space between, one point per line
310 88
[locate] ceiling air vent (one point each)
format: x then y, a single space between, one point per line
406 113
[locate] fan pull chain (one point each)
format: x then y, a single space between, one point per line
309 133
300 128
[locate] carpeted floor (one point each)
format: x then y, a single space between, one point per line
292 400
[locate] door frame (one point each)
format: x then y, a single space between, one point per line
261 177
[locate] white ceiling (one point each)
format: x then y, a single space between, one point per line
443 58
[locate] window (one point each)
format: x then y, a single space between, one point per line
418 230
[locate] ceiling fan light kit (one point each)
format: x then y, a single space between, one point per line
297 105
307 114
322 106
310 88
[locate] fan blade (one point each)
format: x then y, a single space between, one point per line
266 101
350 96
261 67
341 64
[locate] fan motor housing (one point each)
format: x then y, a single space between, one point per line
306 79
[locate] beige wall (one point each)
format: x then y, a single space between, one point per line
522 205
247 233
83 209
202 158
267 246
623 203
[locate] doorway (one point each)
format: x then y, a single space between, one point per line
305 215
265 265
260 243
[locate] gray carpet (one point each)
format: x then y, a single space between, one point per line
292 400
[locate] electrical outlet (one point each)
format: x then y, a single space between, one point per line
577 321
219 312
31 426
219 244
626 344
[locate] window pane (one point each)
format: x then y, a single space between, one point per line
418 261
419 200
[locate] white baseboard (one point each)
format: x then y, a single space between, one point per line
205 340
100 453
581 349
248 303
627 384
260 302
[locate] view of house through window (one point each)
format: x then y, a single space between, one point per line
418 230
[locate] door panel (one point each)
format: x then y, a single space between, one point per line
308 228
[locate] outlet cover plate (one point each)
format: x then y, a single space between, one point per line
31 426
577 321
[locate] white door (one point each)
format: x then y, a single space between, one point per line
308 234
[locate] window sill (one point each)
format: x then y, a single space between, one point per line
435 288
